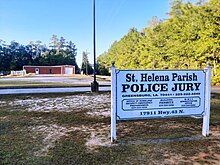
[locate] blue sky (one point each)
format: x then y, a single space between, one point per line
32 20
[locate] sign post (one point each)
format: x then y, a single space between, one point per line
206 117
141 94
113 103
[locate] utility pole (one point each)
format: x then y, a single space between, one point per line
94 84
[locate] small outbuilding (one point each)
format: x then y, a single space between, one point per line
61 69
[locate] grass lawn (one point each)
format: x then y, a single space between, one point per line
30 84
27 82
46 129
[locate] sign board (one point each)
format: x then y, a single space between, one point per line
139 94
148 94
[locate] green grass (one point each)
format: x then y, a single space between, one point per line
28 84
215 104
19 143
5 84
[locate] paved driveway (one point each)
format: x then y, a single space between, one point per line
50 90
216 89
76 79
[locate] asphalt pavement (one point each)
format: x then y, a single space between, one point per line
51 90
67 89
76 79
215 89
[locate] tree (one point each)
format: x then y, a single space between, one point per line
14 55
86 67
187 40
54 43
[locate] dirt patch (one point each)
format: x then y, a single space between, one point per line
99 137
50 134
211 155
3 118
96 106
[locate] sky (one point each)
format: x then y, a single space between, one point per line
33 20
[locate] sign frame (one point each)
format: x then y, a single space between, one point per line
115 106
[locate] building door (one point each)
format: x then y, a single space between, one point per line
68 70
37 71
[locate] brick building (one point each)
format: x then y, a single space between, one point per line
61 69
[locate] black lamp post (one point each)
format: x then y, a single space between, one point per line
94 84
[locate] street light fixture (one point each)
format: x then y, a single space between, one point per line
94 84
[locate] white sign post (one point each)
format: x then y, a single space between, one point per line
113 104
140 94
206 117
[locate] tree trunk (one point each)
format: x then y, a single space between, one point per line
214 67
214 64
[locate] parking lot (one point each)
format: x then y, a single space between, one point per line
76 79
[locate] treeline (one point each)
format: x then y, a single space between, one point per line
87 68
187 40
14 56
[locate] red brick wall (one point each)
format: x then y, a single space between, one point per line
49 69
55 70
63 69
29 69
43 69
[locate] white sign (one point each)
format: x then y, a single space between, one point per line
148 94
138 94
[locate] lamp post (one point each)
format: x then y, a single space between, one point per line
94 84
